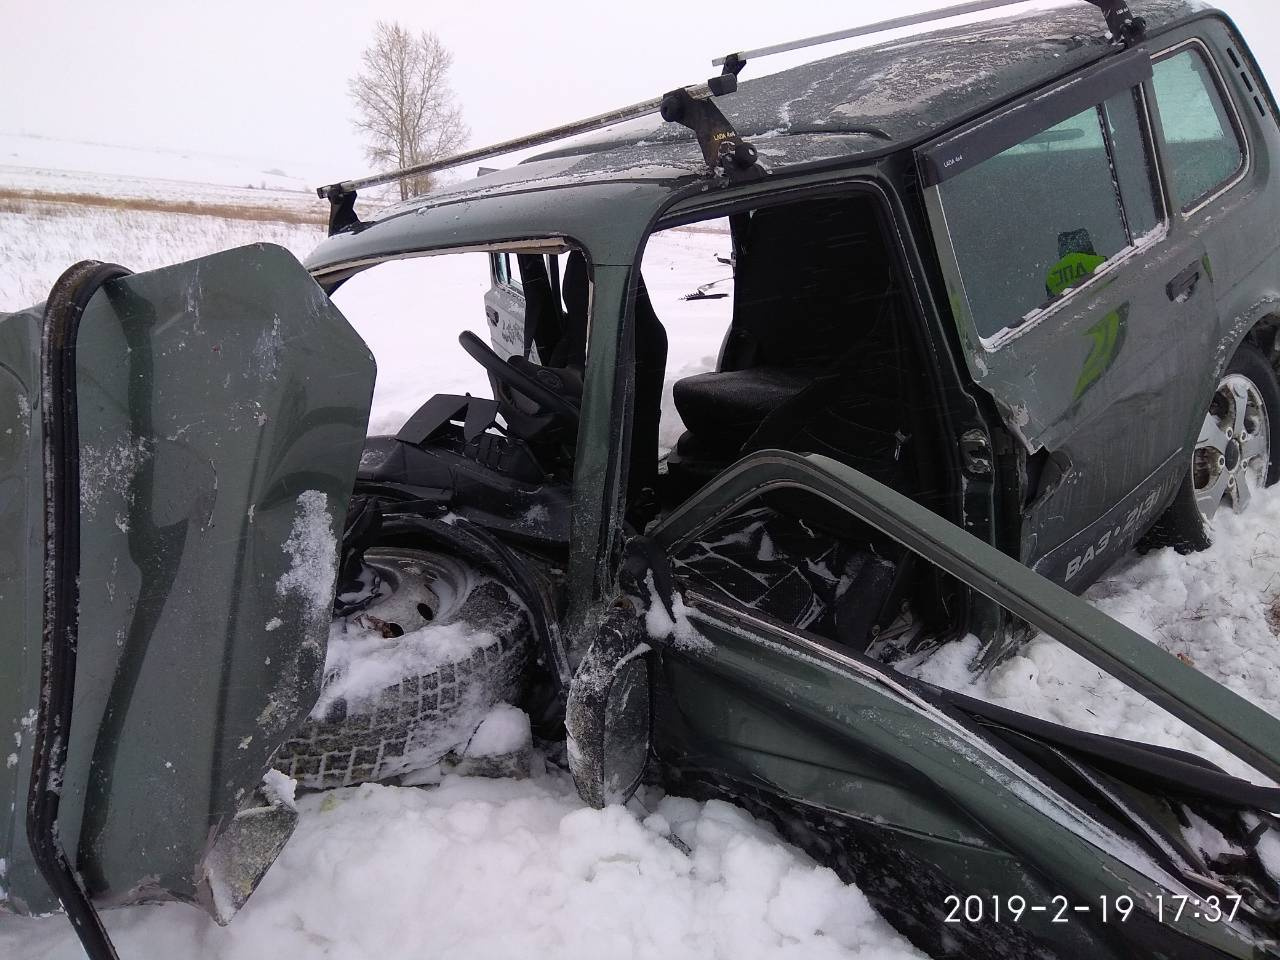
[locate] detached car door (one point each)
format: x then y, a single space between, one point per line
911 791
175 479
1072 296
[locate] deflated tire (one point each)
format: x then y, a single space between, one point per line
410 676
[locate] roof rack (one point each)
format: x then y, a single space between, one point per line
1124 27
692 107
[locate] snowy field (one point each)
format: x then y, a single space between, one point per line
48 165
505 868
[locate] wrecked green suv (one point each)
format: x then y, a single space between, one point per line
1004 304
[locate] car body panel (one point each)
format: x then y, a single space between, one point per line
1238 226
22 594
222 405
853 750
1076 377
1218 713
504 308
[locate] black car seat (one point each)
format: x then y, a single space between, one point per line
809 338
561 343
543 316
651 368
564 368
570 349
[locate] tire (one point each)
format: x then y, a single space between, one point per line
412 724
1224 473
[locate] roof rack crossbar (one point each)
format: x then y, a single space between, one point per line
691 107
587 125
943 13
1124 27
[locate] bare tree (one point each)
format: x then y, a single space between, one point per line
405 104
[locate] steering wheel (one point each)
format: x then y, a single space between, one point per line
515 378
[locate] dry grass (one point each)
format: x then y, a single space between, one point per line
40 237
1273 615
23 201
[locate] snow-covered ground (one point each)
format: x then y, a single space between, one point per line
40 240
482 868
510 868
46 164
1218 611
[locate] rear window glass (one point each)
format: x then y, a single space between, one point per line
1203 147
1038 219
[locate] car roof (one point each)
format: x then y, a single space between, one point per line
899 92
863 103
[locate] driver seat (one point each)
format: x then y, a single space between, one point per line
562 375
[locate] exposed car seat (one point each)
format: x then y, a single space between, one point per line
724 409
561 342
543 320
650 366
575 289
813 360
820 358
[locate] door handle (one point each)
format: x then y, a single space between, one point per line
1181 287
492 314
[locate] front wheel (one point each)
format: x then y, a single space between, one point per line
411 671
1233 453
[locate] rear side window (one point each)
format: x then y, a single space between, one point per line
1037 220
1203 146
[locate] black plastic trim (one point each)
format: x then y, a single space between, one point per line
61 448
983 139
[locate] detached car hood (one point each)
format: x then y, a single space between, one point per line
222 406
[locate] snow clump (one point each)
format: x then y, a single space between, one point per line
505 729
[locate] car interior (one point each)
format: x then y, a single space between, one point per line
821 355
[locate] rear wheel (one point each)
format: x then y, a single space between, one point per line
1233 455
412 672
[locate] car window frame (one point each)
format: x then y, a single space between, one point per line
1233 115
944 243
501 274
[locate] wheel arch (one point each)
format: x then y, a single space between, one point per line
1257 325
1262 333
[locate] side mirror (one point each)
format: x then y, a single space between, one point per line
609 713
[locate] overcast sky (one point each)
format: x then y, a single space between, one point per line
267 79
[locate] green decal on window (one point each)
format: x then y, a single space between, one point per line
1071 271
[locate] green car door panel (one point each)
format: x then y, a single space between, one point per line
1221 715
222 408
1083 359
815 734
885 785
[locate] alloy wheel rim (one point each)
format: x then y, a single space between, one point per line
1233 452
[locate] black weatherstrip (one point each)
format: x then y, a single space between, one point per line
984 138
61 448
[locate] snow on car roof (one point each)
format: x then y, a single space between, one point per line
901 91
